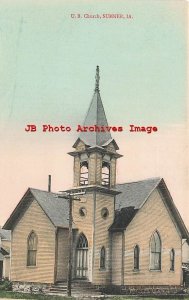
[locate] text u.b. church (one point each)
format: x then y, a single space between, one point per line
123 234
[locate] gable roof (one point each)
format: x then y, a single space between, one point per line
127 204
135 194
123 218
5 234
4 251
55 208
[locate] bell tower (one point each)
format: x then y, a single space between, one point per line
95 157
95 151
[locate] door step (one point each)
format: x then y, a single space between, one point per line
79 289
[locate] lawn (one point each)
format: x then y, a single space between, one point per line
13 295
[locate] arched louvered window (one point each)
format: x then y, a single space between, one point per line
102 258
172 260
32 249
84 173
82 257
82 242
136 257
105 173
155 252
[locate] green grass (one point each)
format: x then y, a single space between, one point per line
148 298
14 295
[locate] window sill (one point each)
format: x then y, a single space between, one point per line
102 270
136 270
31 267
151 270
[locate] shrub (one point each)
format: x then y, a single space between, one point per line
6 285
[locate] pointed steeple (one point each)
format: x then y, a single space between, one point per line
96 116
97 79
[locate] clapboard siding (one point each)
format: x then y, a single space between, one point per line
93 225
113 172
152 216
95 169
111 147
33 219
76 170
85 225
102 238
62 254
117 258
92 168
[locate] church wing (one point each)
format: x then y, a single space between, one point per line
135 194
56 209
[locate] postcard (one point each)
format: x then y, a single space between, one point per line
106 82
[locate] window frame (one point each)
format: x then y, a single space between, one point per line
105 176
102 258
32 261
136 258
172 260
155 254
84 180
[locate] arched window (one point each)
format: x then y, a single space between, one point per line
172 260
105 173
84 173
102 258
82 257
155 252
32 249
82 242
136 257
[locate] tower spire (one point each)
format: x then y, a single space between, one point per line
97 77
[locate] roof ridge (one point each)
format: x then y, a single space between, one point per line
42 191
150 178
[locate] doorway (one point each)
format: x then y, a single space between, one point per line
82 257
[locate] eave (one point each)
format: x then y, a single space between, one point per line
92 188
95 149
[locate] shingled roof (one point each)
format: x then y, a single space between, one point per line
123 218
4 251
132 198
129 201
5 234
135 193
56 209
96 116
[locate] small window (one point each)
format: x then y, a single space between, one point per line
105 173
155 252
84 173
172 260
136 257
32 249
104 213
102 258
83 212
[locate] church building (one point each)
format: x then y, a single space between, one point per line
127 234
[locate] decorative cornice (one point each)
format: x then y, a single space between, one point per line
92 188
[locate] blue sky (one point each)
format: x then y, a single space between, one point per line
49 60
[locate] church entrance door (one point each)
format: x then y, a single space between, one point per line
82 257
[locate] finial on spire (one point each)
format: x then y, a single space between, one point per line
97 77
